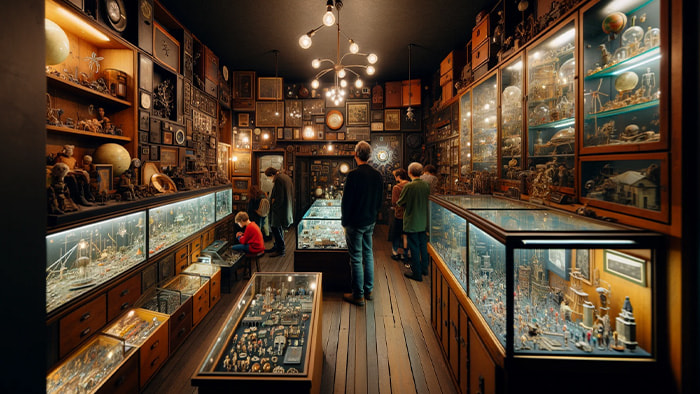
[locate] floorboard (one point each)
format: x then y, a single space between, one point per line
388 346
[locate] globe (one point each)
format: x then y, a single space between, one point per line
626 81
512 96
57 47
113 154
614 23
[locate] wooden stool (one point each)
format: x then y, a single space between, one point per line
250 258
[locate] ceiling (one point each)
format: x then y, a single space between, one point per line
244 33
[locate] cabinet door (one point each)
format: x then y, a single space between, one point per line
463 340
215 289
454 334
433 294
482 370
444 316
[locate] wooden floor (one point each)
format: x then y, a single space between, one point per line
387 346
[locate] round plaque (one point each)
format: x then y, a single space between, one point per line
180 136
334 119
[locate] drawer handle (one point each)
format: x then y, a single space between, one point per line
182 331
85 332
155 360
182 316
478 32
155 344
120 381
125 305
124 292
445 321
86 316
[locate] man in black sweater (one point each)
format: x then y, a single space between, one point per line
362 199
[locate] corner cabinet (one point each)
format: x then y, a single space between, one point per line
541 289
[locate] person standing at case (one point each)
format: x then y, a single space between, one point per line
430 177
258 206
398 238
281 208
414 198
362 199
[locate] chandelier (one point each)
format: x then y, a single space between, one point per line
337 93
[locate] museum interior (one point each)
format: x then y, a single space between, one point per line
562 232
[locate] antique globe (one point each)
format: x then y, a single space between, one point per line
113 154
614 23
626 81
57 46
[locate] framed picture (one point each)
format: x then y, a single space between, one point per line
392 119
625 266
377 116
269 88
242 139
297 133
583 264
241 164
280 133
168 137
144 121
166 48
358 133
377 126
223 152
341 136
243 120
292 113
243 85
288 133
105 178
168 157
240 185
413 123
313 107
269 114
357 113
559 262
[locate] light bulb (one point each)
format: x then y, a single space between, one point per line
315 63
342 93
358 83
343 83
330 147
314 84
370 70
305 41
235 158
341 73
354 48
328 93
328 17
372 58
266 136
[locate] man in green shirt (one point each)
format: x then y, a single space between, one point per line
414 198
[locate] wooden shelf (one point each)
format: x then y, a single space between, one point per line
75 88
68 130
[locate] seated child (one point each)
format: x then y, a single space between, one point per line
251 240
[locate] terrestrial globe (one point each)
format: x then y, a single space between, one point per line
614 23
57 46
113 154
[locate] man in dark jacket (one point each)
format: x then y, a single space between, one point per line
281 208
362 199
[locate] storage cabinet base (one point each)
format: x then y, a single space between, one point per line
334 265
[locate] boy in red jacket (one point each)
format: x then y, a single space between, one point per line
251 240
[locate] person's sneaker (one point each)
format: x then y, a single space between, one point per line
409 275
273 249
351 299
369 296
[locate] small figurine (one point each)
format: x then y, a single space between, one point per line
58 193
604 55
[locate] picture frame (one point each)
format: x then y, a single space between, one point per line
223 154
288 133
358 133
269 88
392 119
241 164
167 137
244 85
293 113
377 126
168 157
559 262
240 185
312 107
411 124
297 133
357 113
584 263
242 139
265 114
105 177
280 133
144 121
377 116
243 119
625 266
166 48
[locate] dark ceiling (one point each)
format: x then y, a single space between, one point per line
244 33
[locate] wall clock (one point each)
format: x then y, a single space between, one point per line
334 119
116 14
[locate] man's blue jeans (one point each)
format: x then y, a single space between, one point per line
359 241
418 245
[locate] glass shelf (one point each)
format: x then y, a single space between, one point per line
555 124
634 61
624 110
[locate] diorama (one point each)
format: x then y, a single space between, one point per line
171 223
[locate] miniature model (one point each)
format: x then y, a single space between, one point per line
58 194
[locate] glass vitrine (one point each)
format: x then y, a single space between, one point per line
511 120
224 203
207 209
484 125
551 98
171 223
622 66
83 257
162 301
186 284
136 326
320 227
465 133
271 334
202 269
550 283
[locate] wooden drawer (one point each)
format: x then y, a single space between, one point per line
214 289
180 324
200 304
446 79
80 324
447 92
196 244
482 369
412 86
195 254
123 296
125 379
453 328
463 340
446 65
153 353
182 259
480 33
480 54
393 95
445 318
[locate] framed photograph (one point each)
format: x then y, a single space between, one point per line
269 114
280 133
377 116
583 264
269 88
288 133
155 154
292 113
358 133
313 107
242 139
144 121
166 48
105 178
223 152
168 137
240 185
241 164
392 119
559 262
168 157
357 113
341 136
243 120
297 133
244 85
377 126
319 119
625 266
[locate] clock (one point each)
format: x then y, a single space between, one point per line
257 131
145 100
334 119
116 14
180 136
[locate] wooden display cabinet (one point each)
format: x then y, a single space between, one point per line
211 272
196 287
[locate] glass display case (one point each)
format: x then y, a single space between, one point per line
90 367
551 98
202 269
320 227
622 66
224 204
136 326
550 283
272 336
83 257
162 301
511 120
186 284
171 223
484 125
465 133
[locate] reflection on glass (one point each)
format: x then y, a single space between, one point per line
465 133
486 202
542 220
224 203
484 124
511 119
448 238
